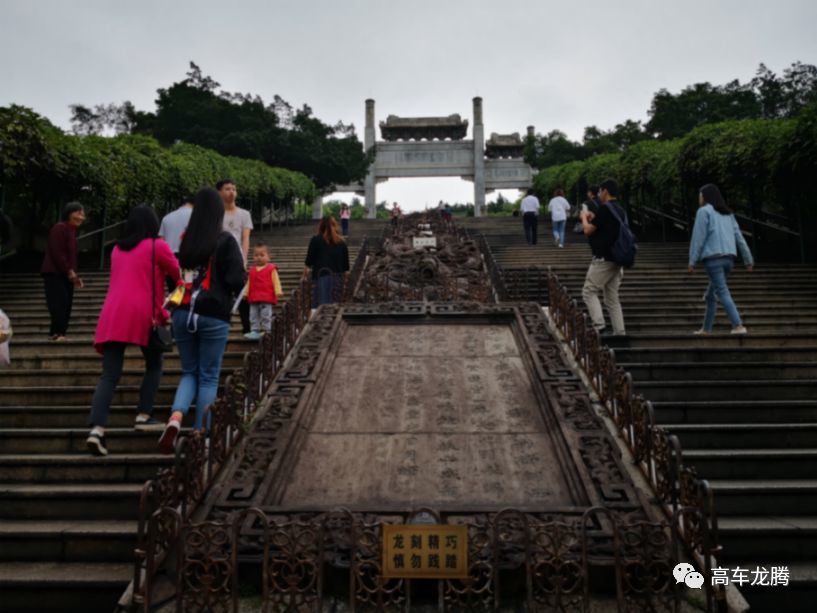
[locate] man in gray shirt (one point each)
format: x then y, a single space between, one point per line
174 224
238 222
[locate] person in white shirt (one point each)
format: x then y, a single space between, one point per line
559 207
530 216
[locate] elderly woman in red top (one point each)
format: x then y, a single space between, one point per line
139 264
59 269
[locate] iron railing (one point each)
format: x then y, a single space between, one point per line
655 452
516 560
175 493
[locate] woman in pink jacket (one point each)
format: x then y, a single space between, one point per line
139 264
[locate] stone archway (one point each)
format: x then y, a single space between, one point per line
437 147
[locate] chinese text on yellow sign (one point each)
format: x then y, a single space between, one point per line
425 552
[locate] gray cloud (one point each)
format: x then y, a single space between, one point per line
550 64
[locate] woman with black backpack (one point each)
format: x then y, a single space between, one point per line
214 274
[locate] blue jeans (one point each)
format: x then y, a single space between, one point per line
559 231
201 353
718 269
323 290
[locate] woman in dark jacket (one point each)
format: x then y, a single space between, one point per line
214 274
328 259
59 269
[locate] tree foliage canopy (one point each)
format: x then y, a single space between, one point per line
41 168
195 111
766 96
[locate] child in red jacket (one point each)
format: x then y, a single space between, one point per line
263 289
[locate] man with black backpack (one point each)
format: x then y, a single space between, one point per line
613 245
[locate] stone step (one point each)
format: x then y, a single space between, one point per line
636 327
779 539
756 436
67 540
798 596
72 440
82 394
89 587
718 371
76 468
700 390
653 355
765 496
133 360
67 416
704 412
77 328
752 463
723 341
30 378
42 346
82 501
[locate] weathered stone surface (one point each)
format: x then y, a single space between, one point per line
421 414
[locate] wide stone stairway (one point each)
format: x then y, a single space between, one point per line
68 519
744 408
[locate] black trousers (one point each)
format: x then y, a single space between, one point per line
113 356
531 223
59 296
244 312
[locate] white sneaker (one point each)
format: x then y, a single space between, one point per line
700 332
739 330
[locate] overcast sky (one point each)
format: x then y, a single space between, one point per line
555 65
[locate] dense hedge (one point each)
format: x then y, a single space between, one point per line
762 166
41 168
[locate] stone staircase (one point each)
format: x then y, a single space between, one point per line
68 519
744 408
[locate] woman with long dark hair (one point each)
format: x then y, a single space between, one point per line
139 264
214 274
716 239
328 258
59 269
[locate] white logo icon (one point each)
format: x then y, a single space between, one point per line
686 573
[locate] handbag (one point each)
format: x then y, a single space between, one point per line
5 336
160 338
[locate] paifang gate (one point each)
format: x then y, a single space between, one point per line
437 147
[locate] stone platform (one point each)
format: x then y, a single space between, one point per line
467 408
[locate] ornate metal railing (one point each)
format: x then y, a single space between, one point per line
176 491
680 492
168 501
516 560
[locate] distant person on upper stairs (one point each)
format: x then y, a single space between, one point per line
395 215
59 269
327 258
530 216
173 226
238 222
604 275
133 305
214 272
345 215
559 209
716 238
